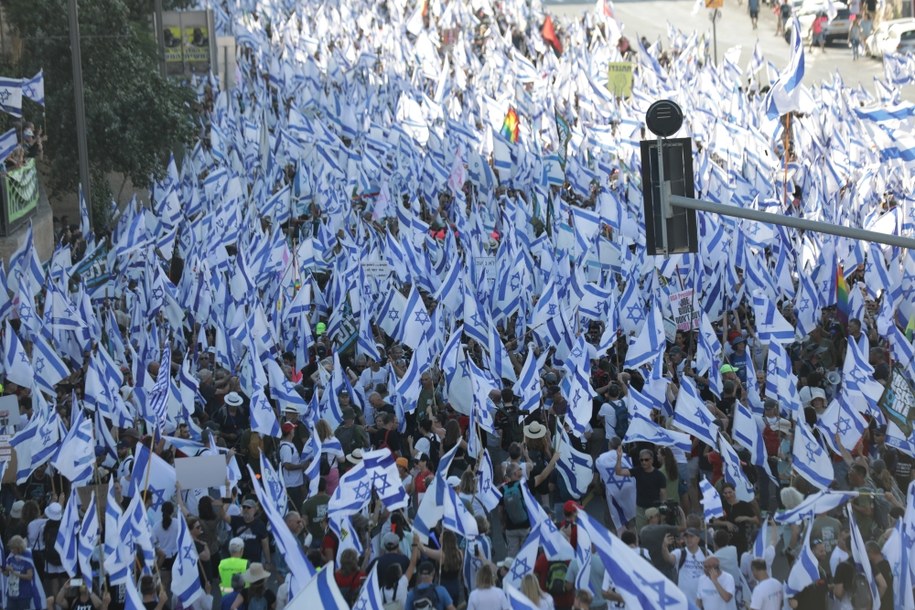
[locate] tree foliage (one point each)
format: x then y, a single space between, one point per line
134 116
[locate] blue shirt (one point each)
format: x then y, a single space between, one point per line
444 598
17 587
228 599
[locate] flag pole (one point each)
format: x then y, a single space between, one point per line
98 515
787 138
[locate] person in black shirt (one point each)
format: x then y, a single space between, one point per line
650 483
883 575
250 528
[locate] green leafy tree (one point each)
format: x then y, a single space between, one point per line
134 116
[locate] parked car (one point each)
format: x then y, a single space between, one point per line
837 29
886 37
905 43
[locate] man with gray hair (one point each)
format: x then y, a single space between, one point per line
515 521
650 483
232 565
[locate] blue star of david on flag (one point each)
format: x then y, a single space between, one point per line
520 568
363 489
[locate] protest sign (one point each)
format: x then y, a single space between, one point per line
201 471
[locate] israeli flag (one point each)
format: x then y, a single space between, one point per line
88 539
805 570
67 534
8 143
11 96
785 94
76 456
185 575
711 501
33 88
321 592
815 504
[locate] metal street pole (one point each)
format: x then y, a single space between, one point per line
792 221
79 106
715 34
160 37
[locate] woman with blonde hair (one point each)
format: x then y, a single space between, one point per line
467 492
20 575
485 595
531 590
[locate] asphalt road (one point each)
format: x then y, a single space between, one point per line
650 18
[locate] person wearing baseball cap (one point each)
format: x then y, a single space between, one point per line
427 594
391 553
292 466
569 524
251 530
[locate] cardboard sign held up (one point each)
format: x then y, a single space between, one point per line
101 496
201 472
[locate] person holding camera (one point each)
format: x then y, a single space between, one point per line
689 561
76 595
716 588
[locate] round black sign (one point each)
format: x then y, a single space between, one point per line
664 118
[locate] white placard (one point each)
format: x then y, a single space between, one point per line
201 472
9 411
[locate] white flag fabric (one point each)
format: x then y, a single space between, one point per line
785 94
321 592
186 585
711 501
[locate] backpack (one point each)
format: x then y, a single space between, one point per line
683 555
860 591
425 598
435 450
390 605
622 419
49 537
556 572
513 501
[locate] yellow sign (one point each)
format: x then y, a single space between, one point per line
172 36
196 44
714 3
619 78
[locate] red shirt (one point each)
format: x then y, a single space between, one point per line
560 600
419 481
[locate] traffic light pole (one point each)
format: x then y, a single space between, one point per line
794 222
665 203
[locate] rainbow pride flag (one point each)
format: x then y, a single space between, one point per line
842 309
510 125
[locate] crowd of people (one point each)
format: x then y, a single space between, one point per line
400 286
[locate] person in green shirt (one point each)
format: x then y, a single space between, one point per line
234 564
314 511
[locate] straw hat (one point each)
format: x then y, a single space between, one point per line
535 430
256 573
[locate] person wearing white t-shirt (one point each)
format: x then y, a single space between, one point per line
716 588
292 466
372 376
768 594
689 563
